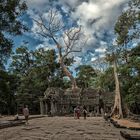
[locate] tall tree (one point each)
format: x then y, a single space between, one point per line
104 80
128 32
130 80
53 28
85 75
127 26
10 11
8 86
22 61
36 71
117 109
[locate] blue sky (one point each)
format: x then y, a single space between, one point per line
97 18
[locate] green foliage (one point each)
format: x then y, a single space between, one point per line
10 11
85 76
8 84
106 80
127 29
68 61
21 61
37 70
32 72
127 25
130 79
126 56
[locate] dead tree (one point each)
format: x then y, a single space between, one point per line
49 27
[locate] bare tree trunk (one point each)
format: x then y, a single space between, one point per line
50 27
73 81
65 70
117 109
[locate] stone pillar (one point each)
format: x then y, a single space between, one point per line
46 108
98 110
87 108
41 107
102 112
55 107
52 108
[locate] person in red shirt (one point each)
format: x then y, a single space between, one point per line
78 112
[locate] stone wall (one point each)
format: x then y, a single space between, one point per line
59 102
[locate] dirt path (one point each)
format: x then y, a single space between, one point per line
62 128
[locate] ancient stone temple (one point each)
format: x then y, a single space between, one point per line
51 103
59 102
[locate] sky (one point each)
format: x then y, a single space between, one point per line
96 17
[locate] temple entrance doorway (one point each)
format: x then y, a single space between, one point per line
48 107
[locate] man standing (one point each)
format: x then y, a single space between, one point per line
75 115
84 112
26 113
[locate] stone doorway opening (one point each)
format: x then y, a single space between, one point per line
48 107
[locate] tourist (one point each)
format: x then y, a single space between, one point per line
78 112
26 114
84 112
75 112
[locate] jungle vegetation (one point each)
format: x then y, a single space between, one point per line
31 72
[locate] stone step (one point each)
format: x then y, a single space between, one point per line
5 124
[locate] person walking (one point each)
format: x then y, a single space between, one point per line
26 114
75 113
84 112
78 112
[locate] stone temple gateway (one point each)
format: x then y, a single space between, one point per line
59 102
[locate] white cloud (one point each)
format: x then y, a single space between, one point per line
37 4
93 59
86 11
78 60
97 17
135 44
47 14
72 4
102 56
100 50
46 46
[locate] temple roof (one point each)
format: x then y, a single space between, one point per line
53 92
86 94
70 92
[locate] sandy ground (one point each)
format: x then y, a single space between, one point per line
62 128
128 123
